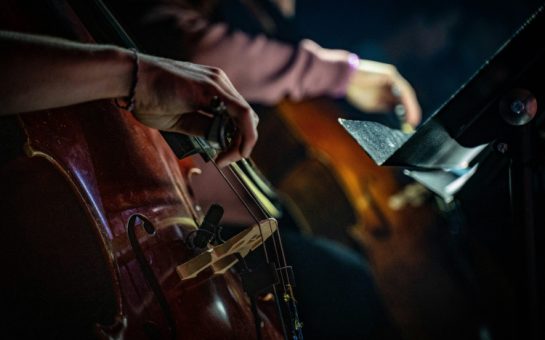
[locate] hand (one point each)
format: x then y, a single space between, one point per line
170 95
378 87
173 96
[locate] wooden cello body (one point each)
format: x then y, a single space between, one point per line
95 214
334 190
322 165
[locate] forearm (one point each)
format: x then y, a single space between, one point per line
262 69
266 71
43 72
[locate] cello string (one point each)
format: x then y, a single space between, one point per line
264 212
287 284
254 217
280 259
274 237
237 194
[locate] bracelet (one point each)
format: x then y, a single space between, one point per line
130 101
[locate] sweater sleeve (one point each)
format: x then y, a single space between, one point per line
262 69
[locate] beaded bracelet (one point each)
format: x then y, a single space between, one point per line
130 99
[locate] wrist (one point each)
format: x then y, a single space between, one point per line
148 72
111 68
346 75
128 102
353 66
334 69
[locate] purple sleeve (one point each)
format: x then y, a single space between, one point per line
263 70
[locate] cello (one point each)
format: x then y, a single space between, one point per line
98 214
315 163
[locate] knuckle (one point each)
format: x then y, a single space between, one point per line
392 69
216 73
214 77
246 112
213 69
220 73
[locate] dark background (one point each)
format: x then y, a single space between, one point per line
436 45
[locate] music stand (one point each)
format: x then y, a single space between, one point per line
495 112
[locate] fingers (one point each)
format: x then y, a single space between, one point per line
241 145
378 87
246 121
198 124
399 91
232 154
245 118
179 90
407 97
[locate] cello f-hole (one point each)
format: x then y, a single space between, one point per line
149 276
